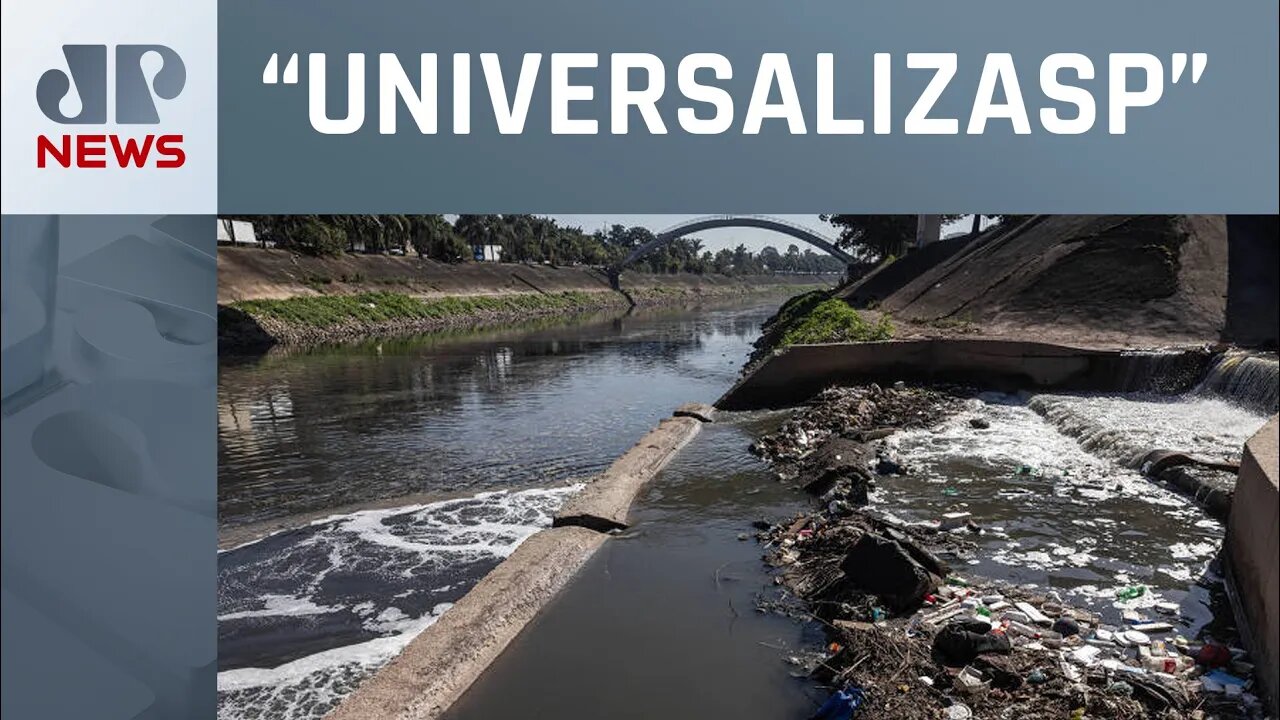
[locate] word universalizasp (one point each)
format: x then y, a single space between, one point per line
637 84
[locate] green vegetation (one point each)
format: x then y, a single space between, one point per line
524 239
834 321
816 317
324 311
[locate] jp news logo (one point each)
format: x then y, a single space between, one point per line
135 104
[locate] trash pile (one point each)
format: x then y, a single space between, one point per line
922 642
864 413
916 640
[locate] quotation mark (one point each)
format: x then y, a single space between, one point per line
1198 62
271 73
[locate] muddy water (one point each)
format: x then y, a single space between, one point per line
662 622
647 631
1051 477
459 446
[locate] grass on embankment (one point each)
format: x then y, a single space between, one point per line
326 311
816 317
833 321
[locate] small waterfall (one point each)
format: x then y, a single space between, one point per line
1249 380
1164 372
1110 443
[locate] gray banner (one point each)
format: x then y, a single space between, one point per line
1206 146
109 467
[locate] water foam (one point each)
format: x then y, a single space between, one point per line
361 586
1124 428
1072 515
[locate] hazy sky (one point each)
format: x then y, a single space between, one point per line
753 238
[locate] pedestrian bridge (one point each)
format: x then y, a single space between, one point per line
711 222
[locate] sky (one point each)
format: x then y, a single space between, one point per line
753 238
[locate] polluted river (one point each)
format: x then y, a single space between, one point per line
364 488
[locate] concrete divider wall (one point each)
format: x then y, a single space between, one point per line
801 371
1253 555
438 666
605 503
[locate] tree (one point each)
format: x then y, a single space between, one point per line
879 236
433 237
481 230
771 259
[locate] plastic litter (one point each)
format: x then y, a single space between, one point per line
951 521
1131 592
1120 688
1213 655
1086 654
1224 678
1136 637
970 682
1033 613
957 711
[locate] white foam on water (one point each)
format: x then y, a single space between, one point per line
1079 518
393 555
281 605
369 654
1124 427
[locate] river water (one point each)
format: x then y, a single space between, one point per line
407 470
414 467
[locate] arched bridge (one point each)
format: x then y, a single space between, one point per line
711 222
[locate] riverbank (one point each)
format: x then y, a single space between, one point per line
271 297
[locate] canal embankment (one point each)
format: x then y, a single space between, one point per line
272 297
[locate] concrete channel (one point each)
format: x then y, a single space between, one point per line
438 666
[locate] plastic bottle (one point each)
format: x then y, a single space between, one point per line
1131 592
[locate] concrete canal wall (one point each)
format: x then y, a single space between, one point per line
438 666
1253 553
796 373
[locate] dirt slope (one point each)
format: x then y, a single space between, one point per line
1139 280
257 274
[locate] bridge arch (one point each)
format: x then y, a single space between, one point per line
711 222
